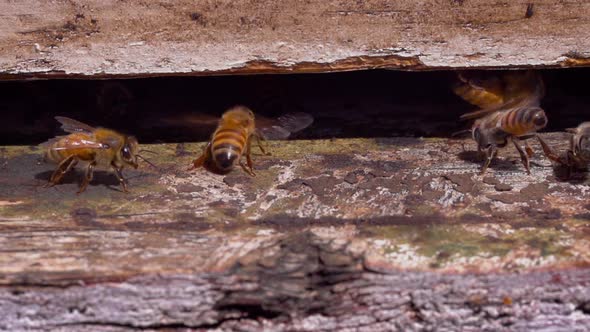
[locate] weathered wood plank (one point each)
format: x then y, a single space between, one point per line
304 283
138 38
368 234
408 196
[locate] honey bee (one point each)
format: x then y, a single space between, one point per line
509 111
234 134
95 146
577 157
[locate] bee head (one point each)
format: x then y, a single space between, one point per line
581 146
129 151
481 137
580 140
489 138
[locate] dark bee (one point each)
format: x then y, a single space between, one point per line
577 157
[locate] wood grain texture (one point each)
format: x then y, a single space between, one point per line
305 283
353 234
136 38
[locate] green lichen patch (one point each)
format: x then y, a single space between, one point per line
495 246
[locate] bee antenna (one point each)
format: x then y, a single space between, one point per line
460 132
147 161
149 151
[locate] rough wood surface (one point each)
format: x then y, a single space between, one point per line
137 38
355 234
305 284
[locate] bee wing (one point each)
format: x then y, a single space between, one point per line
526 88
69 144
50 142
483 112
523 90
192 120
483 92
274 132
295 122
82 144
283 126
73 126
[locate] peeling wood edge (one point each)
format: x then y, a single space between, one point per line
265 67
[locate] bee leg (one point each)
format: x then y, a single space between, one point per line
481 154
523 156
119 174
87 177
528 149
570 162
199 162
65 166
259 139
489 156
572 144
549 152
249 169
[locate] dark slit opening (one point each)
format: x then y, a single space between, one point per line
378 103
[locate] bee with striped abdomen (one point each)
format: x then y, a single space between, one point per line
499 128
100 147
233 138
509 111
577 157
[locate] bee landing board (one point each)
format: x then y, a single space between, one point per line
374 234
139 38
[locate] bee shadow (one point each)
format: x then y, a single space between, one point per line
210 167
575 176
497 163
75 177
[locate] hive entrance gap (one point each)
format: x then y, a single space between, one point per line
375 103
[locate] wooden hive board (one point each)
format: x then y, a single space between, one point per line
139 38
368 234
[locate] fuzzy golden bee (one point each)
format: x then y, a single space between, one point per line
577 157
100 147
234 134
509 111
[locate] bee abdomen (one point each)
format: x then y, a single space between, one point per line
225 155
522 121
227 147
54 153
